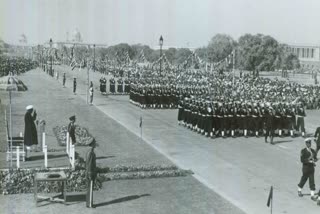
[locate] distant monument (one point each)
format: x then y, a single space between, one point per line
76 36
23 39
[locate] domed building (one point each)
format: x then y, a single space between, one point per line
76 36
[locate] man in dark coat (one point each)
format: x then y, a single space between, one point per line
72 128
30 130
308 158
91 174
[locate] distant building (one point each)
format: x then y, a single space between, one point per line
309 55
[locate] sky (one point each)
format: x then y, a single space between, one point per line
182 23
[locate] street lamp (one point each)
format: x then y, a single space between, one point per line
160 43
50 42
94 57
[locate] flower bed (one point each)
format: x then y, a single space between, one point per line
83 137
21 181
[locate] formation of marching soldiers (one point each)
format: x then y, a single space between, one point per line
122 86
15 65
154 96
241 118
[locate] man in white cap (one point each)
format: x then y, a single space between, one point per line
30 130
308 158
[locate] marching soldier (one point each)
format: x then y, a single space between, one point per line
308 157
101 85
120 86
269 125
300 119
64 80
104 85
126 86
112 85
74 85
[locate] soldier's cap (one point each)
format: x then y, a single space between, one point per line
72 117
29 107
308 140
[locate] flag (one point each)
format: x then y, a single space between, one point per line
270 196
140 125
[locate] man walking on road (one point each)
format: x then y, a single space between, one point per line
64 80
308 158
91 93
91 174
74 85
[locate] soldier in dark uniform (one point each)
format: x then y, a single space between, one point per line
300 119
91 174
255 114
74 85
104 85
288 114
308 158
208 120
244 119
262 118
112 85
101 87
120 86
269 125
64 80
277 118
180 111
215 125
220 119
126 86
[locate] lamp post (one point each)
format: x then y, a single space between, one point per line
160 43
39 56
94 57
50 42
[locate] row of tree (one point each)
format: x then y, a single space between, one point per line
252 52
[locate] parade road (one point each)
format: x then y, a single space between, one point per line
238 171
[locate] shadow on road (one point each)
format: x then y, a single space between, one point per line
123 199
281 141
105 157
41 157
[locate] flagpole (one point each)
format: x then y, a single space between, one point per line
10 129
271 204
88 81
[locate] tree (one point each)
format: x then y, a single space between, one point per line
182 54
220 46
258 52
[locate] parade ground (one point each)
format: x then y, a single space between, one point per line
231 175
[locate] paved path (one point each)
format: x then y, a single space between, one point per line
241 170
